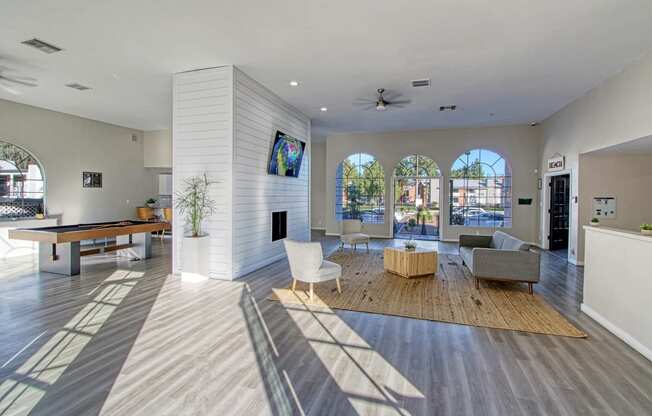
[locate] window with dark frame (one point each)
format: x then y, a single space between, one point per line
22 186
360 189
481 190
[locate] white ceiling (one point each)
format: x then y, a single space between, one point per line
521 60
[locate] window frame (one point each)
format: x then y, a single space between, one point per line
504 199
343 181
38 205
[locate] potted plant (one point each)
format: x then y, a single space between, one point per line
410 245
595 222
646 229
151 202
195 204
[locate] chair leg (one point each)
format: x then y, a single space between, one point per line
312 291
477 283
355 246
341 245
530 288
339 287
294 284
367 243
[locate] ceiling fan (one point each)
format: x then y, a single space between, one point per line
382 102
8 79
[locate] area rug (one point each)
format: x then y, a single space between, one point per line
451 296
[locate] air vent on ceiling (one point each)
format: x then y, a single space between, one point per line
77 86
447 108
42 46
421 83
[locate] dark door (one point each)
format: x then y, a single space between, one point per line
559 211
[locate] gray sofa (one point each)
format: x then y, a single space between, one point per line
500 257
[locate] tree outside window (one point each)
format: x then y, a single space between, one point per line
360 189
481 190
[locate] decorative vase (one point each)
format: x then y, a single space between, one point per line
646 232
194 258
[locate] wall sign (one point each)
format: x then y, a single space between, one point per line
92 179
556 163
604 207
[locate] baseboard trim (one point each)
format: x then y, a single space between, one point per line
620 333
318 228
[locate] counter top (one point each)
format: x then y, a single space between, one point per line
619 232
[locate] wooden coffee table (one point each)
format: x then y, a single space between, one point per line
410 263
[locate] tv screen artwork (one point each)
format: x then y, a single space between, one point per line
285 159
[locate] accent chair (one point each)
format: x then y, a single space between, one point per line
307 264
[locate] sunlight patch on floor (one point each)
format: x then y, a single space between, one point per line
22 390
355 356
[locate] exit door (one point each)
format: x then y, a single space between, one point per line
559 211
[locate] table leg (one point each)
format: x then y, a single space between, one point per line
142 245
62 258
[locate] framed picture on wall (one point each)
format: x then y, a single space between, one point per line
92 179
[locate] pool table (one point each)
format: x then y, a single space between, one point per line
60 247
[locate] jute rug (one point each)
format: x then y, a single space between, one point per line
450 297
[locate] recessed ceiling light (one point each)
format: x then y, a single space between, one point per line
294 83
324 109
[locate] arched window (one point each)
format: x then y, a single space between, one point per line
481 190
416 198
21 183
360 189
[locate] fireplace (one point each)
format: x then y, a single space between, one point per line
279 225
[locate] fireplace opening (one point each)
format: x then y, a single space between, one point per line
279 225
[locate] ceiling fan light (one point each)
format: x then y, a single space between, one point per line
381 107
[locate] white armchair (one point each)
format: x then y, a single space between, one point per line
352 234
307 264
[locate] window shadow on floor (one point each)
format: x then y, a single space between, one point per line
86 326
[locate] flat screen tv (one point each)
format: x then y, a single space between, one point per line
285 158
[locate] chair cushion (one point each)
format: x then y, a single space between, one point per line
466 253
329 271
355 238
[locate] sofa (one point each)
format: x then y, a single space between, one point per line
500 257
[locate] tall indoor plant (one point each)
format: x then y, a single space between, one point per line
195 204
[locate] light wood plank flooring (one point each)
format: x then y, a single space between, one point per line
125 339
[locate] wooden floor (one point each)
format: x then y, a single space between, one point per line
126 339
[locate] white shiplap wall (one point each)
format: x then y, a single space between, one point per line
258 114
224 124
202 142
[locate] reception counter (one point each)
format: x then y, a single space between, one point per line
618 284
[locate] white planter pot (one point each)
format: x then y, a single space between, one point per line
646 232
194 258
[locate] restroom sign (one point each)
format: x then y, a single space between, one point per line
556 163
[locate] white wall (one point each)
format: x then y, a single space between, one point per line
628 178
520 145
224 124
618 111
158 148
202 140
68 145
258 114
318 186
